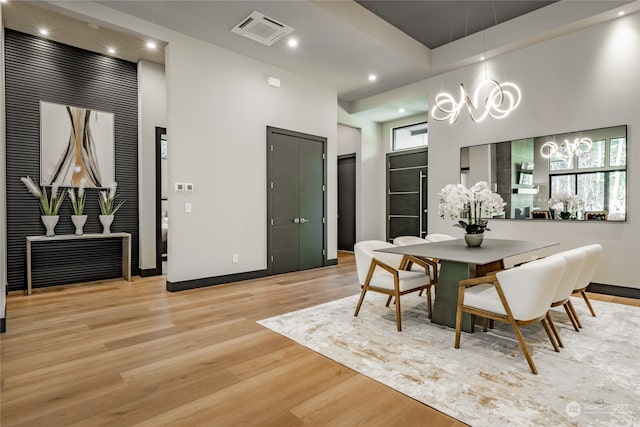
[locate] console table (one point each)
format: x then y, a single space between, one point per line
126 249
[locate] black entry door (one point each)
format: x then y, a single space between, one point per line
346 202
296 201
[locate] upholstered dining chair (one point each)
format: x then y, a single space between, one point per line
432 263
574 259
380 272
518 296
592 254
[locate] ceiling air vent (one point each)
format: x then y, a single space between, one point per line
262 29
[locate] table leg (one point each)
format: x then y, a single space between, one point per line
446 301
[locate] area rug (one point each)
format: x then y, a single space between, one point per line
594 380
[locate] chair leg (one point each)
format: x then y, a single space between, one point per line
388 301
428 301
554 330
573 312
570 314
485 323
584 295
398 316
548 331
364 291
459 317
523 346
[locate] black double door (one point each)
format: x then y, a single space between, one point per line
296 201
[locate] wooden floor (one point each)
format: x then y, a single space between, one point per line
119 353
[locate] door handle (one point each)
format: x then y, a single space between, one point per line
296 220
303 220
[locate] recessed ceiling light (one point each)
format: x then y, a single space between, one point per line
401 110
621 13
3 1
151 45
292 42
111 50
482 58
93 26
373 77
44 32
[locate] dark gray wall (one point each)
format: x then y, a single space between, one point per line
39 69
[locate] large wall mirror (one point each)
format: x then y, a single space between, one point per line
573 176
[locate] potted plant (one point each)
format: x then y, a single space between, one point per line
478 204
77 204
106 202
568 203
49 206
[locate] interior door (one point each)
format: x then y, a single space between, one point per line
296 211
346 202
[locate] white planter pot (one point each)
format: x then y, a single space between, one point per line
106 221
78 221
50 222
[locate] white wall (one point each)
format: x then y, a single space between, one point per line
370 178
584 80
219 106
152 112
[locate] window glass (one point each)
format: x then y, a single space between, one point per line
410 137
591 189
594 158
618 152
561 163
563 183
617 195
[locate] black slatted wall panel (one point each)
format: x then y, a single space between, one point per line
38 69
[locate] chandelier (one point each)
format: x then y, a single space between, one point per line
566 148
500 99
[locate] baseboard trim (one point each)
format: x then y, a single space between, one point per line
212 281
618 291
147 272
333 261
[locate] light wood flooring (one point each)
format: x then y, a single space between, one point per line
119 353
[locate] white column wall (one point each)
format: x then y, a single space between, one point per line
152 110
583 80
219 106
370 179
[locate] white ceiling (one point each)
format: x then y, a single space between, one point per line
340 42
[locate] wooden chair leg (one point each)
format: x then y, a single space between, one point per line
575 314
586 299
548 331
428 301
570 314
388 301
459 317
554 330
523 346
398 316
485 323
364 291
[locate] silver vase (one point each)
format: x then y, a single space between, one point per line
474 240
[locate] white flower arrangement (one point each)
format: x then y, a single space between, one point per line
479 202
77 201
48 206
568 201
106 201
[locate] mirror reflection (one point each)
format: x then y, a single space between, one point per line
571 176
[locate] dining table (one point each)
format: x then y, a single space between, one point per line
459 262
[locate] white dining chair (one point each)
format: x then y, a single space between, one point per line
519 296
432 269
380 272
592 254
574 259
438 237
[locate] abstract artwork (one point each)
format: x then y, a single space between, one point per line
76 145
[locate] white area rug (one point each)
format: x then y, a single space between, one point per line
594 380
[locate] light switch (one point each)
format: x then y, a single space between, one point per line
188 186
179 186
187 207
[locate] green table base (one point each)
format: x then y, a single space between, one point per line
446 301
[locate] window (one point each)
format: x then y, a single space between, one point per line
411 136
598 177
